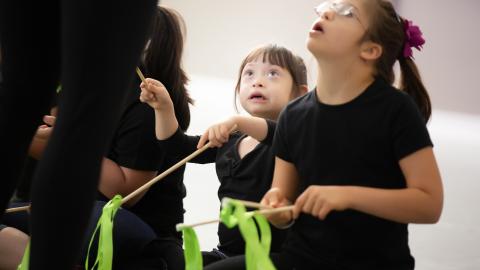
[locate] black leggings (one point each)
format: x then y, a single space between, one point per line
93 46
134 242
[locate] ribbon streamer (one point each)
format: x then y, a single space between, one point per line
105 239
256 250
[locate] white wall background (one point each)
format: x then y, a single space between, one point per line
220 33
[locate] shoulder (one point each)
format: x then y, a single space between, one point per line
300 104
393 100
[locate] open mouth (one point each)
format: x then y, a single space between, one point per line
318 27
257 96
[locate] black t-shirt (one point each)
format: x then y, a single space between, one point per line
358 143
246 179
135 146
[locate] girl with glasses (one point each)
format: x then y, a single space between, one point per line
354 156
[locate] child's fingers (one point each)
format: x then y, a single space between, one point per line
217 139
323 212
211 137
154 82
49 120
272 198
308 205
143 97
155 86
225 132
146 96
219 136
317 208
203 140
43 132
299 203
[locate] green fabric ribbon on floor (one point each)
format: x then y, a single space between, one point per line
192 254
105 242
256 250
26 259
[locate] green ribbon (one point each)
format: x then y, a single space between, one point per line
256 250
26 259
192 254
105 239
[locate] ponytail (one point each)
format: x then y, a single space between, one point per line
412 84
398 36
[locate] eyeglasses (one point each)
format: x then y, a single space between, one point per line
343 9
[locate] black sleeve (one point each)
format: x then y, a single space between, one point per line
409 131
280 140
134 144
271 126
180 145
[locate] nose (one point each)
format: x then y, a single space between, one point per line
328 14
258 82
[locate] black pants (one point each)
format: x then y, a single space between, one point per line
135 244
93 46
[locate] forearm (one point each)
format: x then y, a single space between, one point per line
255 127
285 179
165 123
408 205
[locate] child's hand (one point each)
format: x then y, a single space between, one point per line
45 131
217 134
155 94
275 198
321 200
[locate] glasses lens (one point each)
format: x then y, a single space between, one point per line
343 9
320 9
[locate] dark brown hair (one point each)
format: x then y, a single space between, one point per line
163 57
387 29
279 56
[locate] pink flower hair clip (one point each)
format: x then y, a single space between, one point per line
413 38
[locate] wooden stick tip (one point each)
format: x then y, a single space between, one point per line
180 226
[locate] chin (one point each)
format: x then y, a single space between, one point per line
313 47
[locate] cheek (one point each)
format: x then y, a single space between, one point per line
242 93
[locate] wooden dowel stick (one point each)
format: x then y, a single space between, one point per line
17 209
140 74
246 203
180 226
149 183
165 173
275 210
169 170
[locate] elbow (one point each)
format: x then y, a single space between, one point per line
437 207
434 213
433 217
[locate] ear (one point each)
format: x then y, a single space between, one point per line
370 51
